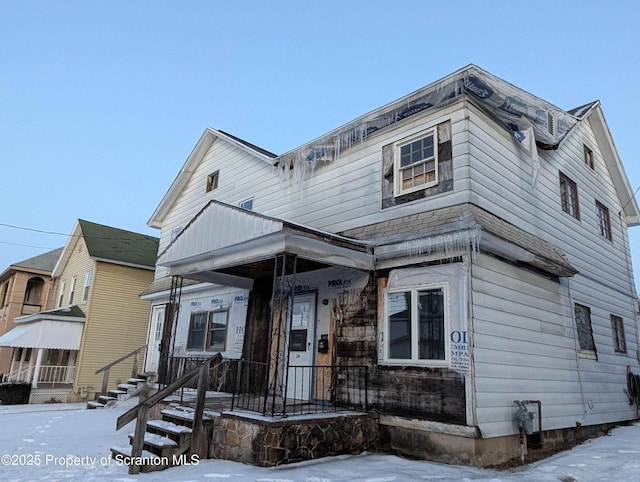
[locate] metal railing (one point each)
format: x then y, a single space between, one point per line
302 390
24 375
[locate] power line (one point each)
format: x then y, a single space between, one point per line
25 245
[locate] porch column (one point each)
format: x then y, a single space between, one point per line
36 371
23 355
14 360
71 364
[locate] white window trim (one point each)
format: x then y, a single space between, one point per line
87 286
397 185
414 327
61 294
72 289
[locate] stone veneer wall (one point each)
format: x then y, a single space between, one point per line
266 443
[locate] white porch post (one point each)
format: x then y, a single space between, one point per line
73 355
14 360
36 372
23 355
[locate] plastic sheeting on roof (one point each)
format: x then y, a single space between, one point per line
532 121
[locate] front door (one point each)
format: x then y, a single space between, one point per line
300 345
155 338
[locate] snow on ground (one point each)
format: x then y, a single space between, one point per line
67 442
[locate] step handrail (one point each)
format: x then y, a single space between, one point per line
141 411
107 367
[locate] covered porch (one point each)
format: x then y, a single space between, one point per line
45 349
288 364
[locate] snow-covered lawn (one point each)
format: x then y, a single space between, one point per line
67 442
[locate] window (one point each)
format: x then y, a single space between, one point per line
175 233
569 196
604 223
617 327
415 329
208 330
33 291
87 284
248 204
72 288
588 157
416 164
5 291
61 295
212 181
583 325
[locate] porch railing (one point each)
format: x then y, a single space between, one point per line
56 374
305 390
53 374
108 366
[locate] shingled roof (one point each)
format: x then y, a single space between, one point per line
118 245
440 223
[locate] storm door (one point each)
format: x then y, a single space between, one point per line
299 343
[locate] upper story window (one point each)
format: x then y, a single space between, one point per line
416 163
585 331
212 181
604 223
87 285
619 341
33 292
416 324
5 292
72 289
61 294
588 157
569 196
247 204
175 233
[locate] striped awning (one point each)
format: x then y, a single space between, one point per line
52 334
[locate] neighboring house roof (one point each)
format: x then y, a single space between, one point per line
43 263
205 142
438 231
112 245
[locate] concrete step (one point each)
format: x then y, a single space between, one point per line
159 445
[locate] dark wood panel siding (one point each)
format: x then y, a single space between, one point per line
426 393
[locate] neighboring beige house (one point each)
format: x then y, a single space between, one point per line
94 318
26 287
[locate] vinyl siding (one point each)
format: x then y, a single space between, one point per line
116 323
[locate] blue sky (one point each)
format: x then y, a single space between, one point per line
102 102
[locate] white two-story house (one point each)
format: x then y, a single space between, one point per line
467 244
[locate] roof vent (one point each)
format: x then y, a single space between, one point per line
551 123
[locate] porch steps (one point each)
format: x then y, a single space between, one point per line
121 392
167 441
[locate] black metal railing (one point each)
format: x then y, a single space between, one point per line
300 390
221 376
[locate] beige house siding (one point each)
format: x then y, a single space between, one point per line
14 306
78 265
116 325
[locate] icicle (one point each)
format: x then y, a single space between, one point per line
447 245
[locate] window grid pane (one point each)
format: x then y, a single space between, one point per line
197 326
619 341
400 325
431 324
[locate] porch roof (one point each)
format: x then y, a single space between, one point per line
53 334
229 245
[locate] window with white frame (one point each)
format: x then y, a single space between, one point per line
208 330
72 289
416 163
619 341
61 295
604 222
247 204
569 196
87 285
416 326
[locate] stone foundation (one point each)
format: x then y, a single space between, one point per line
267 442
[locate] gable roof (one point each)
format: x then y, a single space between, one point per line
205 142
43 263
112 245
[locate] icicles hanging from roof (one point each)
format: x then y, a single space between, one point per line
446 245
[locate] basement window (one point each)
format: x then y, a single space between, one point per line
212 181
416 163
416 326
